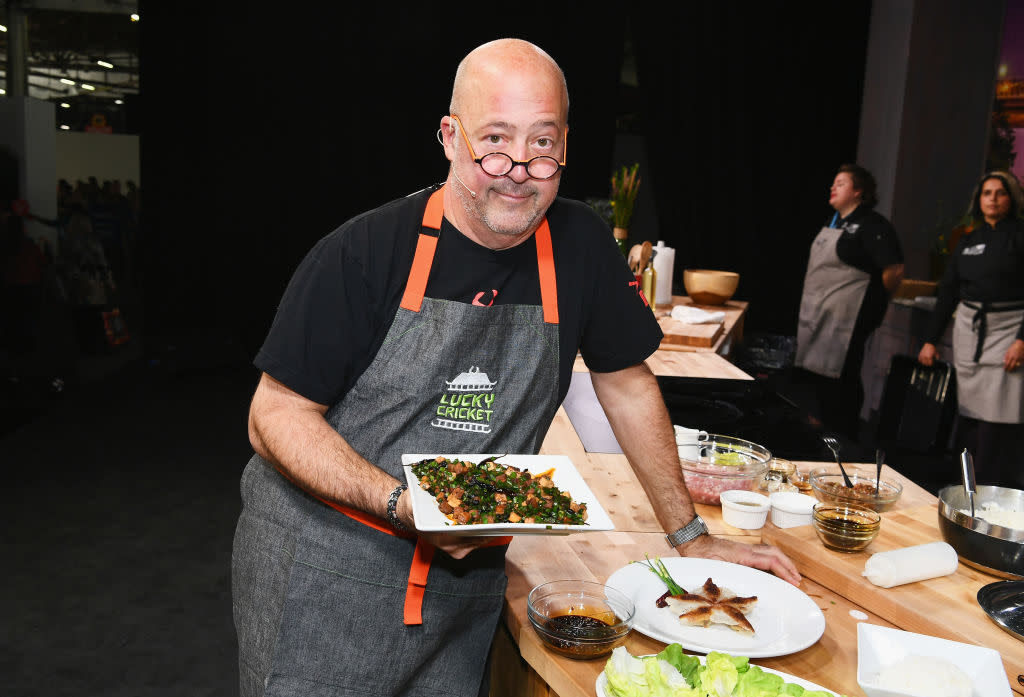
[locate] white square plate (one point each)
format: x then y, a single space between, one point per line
878 647
429 517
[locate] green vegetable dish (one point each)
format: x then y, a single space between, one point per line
471 493
672 673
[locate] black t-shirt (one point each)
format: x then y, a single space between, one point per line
342 299
869 243
987 266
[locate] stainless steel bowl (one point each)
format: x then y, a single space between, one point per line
993 549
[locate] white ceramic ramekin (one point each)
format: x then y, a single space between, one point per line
790 509
743 509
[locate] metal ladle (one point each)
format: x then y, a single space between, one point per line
967 469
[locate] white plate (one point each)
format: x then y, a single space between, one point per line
878 647
785 619
602 681
429 518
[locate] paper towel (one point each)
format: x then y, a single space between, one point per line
687 314
664 262
917 563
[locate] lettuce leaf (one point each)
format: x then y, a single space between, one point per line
664 680
687 665
719 676
757 683
626 675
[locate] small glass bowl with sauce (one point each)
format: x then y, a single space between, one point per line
845 528
828 485
778 477
580 619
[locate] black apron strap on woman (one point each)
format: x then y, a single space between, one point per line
979 325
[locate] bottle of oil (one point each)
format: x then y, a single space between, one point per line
649 282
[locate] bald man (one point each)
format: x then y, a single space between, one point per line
445 322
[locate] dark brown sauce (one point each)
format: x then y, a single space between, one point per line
581 635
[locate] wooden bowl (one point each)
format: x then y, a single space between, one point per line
707 287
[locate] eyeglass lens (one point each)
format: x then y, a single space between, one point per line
498 164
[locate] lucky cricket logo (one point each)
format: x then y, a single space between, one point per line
467 404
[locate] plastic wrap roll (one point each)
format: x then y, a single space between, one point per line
910 564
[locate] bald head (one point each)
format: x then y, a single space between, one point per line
492 65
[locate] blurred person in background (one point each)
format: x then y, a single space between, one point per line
855 265
984 285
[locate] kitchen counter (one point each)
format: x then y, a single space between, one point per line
523 666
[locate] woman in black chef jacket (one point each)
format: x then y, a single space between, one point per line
984 283
855 264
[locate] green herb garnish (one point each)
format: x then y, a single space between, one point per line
657 567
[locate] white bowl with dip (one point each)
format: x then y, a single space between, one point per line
934 666
791 509
743 509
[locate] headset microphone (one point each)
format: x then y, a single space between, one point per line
456 175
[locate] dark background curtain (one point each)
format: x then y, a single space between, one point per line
749 109
263 132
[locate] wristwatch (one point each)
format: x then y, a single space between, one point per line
691 531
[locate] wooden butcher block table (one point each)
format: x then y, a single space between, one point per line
524 667
945 607
716 337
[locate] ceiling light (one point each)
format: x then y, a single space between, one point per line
65 105
3 28
65 127
67 81
105 64
87 87
135 17
118 101
3 91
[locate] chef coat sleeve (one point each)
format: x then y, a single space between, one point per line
620 329
882 244
319 341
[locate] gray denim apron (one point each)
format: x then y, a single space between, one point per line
321 599
832 296
984 389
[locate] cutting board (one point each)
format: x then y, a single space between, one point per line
679 334
945 607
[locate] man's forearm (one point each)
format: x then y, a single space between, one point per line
292 434
636 411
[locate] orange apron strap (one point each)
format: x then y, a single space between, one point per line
416 285
546 269
435 210
412 613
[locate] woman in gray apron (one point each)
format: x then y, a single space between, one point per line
855 263
984 285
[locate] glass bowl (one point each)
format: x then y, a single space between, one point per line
828 486
580 619
712 464
845 528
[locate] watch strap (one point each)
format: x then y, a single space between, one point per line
691 531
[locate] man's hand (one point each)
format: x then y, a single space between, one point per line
1014 356
927 355
762 556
